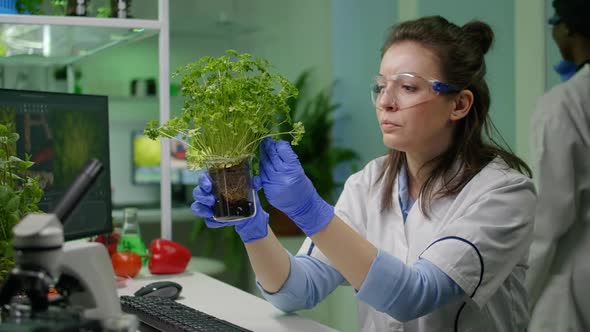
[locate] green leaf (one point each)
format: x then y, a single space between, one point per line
14 218
26 165
12 138
12 204
232 102
15 160
16 177
6 193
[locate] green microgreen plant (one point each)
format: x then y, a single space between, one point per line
232 103
19 194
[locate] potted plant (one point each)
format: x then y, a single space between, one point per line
19 194
316 151
232 103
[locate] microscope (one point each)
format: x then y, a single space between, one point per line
81 273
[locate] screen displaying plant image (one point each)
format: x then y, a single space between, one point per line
59 142
60 133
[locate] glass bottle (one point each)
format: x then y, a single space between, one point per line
121 8
77 8
130 235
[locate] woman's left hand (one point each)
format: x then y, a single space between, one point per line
288 188
249 230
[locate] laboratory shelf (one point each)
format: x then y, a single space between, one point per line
62 40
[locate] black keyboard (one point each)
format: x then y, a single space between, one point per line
170 316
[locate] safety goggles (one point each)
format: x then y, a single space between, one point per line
407 89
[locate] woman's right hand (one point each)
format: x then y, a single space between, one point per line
288 188
249 230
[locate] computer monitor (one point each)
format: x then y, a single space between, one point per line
145 164
61 132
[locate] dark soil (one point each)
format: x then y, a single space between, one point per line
226 211
233 188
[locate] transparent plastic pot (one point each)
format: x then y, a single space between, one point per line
235 198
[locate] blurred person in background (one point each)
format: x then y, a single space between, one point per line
559 262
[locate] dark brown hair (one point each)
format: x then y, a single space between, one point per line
460 51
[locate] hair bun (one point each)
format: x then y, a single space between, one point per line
481 33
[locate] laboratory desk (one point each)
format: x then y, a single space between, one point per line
226 302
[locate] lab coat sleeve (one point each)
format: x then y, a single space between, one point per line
483 243
553 147
308 283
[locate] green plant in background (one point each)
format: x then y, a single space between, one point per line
32 7
103 11
226 243
317 153
232 103
19 194
59 7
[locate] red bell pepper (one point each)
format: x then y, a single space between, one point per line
168 257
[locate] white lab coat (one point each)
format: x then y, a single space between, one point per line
560 254
480 238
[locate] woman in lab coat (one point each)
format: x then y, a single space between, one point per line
433 236
559 258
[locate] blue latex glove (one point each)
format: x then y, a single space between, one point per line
566 69
288 188
249 230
